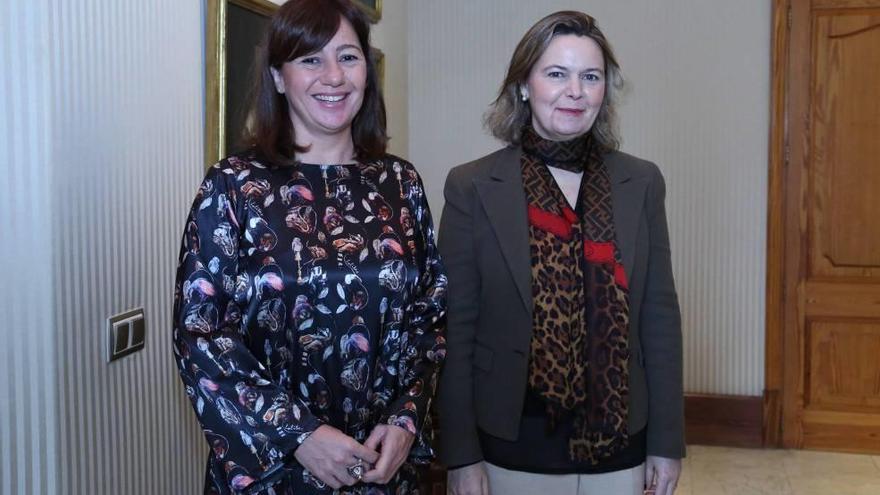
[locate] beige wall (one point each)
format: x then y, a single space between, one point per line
127 105
100 152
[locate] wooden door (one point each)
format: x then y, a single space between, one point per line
830 225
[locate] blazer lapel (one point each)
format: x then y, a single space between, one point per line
627 197
504 201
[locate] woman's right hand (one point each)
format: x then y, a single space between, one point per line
328 453
468 480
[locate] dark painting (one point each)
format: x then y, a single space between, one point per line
244 33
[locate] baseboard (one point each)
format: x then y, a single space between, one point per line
772 419
729 420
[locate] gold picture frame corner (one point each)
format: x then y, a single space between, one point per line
373 9
216 69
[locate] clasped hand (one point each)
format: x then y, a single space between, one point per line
328 453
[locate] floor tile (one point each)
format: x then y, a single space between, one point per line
836 484
740 483
725 470
812 463
738 460
733 471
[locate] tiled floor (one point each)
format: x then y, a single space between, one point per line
729 471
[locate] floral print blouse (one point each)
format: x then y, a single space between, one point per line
307 295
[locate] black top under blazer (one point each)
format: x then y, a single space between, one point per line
484 243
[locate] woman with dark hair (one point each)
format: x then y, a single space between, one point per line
310 298
564 370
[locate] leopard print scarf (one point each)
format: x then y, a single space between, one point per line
579 348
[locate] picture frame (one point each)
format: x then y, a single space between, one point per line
379 60
233 31
373 9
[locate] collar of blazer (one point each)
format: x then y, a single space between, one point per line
504 201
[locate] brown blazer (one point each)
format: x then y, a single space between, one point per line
484 243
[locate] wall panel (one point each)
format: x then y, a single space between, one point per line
127 97
27 408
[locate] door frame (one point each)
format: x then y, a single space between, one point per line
782 232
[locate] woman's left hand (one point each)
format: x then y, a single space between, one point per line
661 475
393 444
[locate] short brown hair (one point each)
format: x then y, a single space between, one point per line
508 113
302 27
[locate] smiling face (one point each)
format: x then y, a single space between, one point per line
566 87
325 89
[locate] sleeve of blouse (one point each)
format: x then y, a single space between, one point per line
423 345
251 423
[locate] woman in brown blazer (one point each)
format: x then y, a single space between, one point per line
564 365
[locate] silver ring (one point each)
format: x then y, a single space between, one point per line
357 470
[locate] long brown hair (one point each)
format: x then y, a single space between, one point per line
508 113
302 27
